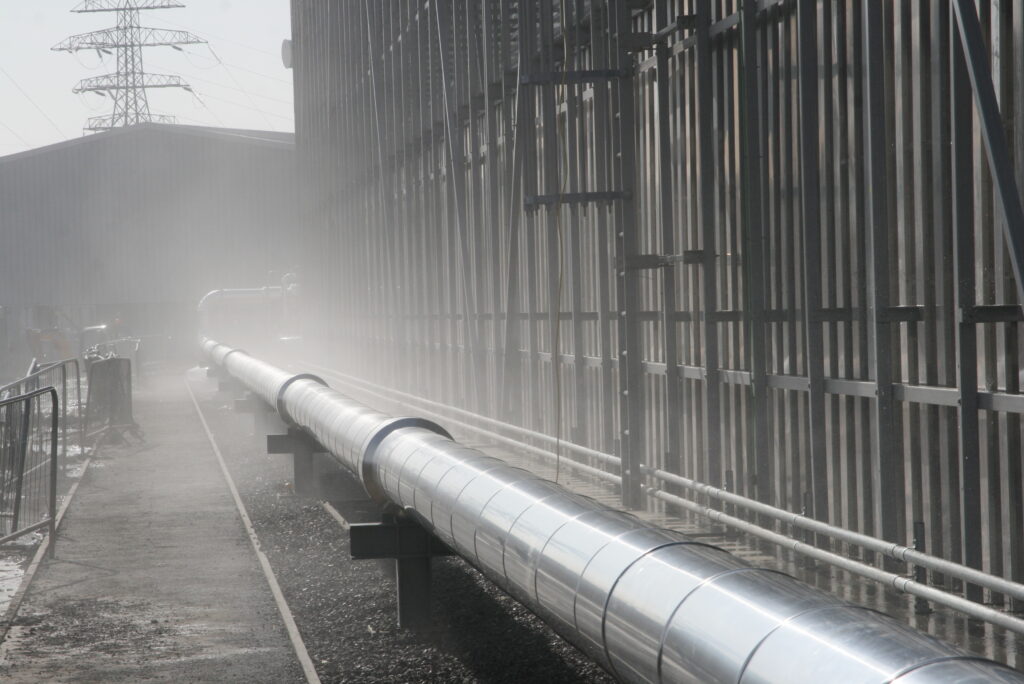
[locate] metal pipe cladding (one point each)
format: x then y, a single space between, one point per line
648 603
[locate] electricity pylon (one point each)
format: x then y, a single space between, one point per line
128 85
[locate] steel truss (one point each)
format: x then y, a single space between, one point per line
129 84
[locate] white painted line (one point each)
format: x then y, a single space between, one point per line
335 514
15 605
275 588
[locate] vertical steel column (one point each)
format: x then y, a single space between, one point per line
602 177
553 212
494 92
515 142
754 249
946 529
810 215
1014 478
709 256
673 394
888 467
966 335
474 231
631 381
575 150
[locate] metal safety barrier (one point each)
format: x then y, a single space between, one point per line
65 377
649 604
29 437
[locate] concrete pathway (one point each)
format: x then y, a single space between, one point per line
155 578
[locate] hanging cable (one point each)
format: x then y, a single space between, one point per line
17 135
227 87
205 106
376 108
220 62
34 104
232 75
468 308
255 109
512 197
222 39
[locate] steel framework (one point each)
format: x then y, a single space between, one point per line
771 246
129 84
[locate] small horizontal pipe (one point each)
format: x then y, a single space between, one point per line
898 582
890 549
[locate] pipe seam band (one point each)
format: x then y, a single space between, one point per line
281 409
229 352
373 488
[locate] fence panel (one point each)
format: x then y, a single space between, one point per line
29 439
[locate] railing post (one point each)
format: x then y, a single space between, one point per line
23 442
52 548
63 415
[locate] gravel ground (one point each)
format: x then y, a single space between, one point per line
345 609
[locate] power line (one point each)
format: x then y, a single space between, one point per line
232 75
15 133
207 108
235 66
255 109
227 87
226 40
29 98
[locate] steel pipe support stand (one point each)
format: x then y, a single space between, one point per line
412 548
263 414
302 448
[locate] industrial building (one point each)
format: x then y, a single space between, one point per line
138 224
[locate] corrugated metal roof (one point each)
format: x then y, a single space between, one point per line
151 213
250 136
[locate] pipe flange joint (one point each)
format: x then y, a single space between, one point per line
281 410
369 481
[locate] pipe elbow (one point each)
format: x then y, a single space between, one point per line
204 302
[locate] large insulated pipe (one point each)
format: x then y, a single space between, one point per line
237 294
649 604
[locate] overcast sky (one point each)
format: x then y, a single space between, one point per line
240 83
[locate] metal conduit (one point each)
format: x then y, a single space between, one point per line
647 603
